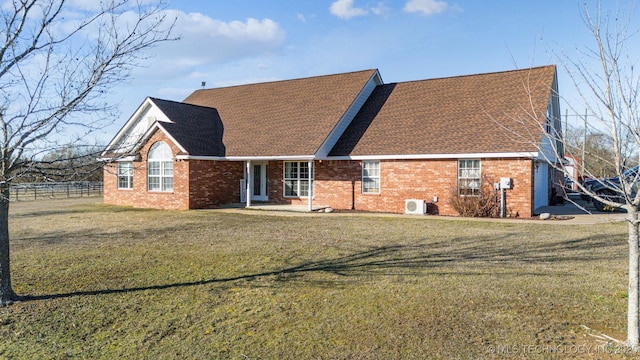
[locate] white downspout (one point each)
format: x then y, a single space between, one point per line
248 183
310 202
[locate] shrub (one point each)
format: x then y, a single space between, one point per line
485 204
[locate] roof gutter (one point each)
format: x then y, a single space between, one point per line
436 156
118 159
246 158
509 155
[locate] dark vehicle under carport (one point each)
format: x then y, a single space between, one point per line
611 189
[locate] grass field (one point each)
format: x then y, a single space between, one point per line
113 282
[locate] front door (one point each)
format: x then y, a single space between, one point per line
259 171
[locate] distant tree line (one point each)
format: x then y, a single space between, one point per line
595 152
68 163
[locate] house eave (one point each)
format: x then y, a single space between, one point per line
118 159
507 155
246 158
504 155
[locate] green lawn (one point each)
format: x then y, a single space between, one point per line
113 282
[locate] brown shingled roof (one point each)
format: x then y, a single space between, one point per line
454 115
282 118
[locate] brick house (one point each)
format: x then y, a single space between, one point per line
346 141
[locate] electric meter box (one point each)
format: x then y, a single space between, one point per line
505 183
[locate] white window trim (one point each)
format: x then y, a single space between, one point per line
379 178
162 177
297 180
458 177
128 176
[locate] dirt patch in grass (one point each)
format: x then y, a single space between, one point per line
113 282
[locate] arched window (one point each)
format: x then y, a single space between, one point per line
160 168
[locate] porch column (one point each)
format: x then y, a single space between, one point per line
248 183
310 202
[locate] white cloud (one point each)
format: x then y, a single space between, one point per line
344 9
198 25
205 41
426 7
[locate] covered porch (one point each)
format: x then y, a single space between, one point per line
258 190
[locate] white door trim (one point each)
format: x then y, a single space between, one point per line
259 180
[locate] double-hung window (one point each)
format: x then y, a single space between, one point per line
160 168
469 177
125 175
371 177
298 178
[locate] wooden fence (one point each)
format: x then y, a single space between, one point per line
42 191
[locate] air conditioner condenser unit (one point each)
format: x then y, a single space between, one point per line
414 206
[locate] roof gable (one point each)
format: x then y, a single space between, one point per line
282 118
131 135
457 115
196 129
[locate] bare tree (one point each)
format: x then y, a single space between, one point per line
57 63
608 84
609 88
594 149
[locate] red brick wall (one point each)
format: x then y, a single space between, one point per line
213 183
338 184
275 183
520 197
196 183
139 196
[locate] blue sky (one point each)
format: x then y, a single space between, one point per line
245 41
